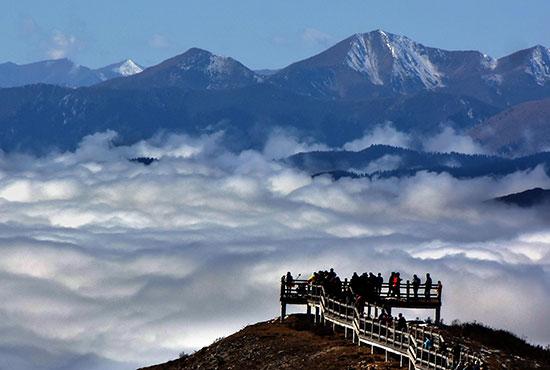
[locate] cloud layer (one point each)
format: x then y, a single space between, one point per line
111 264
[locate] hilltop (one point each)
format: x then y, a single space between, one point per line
293 344
298 344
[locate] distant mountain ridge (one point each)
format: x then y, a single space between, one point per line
379 63
62 72
196 69
383 161
365 65
522 128
333 97
527 198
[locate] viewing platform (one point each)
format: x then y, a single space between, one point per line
368 321
300 292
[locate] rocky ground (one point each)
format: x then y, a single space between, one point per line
294 344
297 344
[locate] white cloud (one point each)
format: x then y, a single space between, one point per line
132 263
384 134
62 45
281 144
448 140
314 36
49 43
159 41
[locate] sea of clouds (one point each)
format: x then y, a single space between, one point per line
111 264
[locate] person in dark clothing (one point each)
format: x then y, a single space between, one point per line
336 287
396 285
354 283
289 282
363 282
360 304
372 292
390 284
401 323
379 282
415 285
428 286
456 354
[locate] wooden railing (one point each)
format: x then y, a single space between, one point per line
364 329
405 293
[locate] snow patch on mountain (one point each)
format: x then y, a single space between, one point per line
410 61
121 69
539 65
489 62
128 68
218 65
494 79
361 59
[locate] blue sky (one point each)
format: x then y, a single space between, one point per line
261 34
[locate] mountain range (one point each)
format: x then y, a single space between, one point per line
333 97
63 72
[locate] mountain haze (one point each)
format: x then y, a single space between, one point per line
62 72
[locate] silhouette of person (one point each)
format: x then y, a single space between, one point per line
415 285
401 323
289 281
428 286
379 282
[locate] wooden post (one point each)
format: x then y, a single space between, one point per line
308 312
408 289
317 318
283 311
438 315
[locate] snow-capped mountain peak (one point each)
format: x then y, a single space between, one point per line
128 68
375 53
124 68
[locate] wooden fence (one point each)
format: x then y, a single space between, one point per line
364 329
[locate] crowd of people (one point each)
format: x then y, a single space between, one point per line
368 288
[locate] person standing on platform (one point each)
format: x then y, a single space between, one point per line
416 285
427 286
